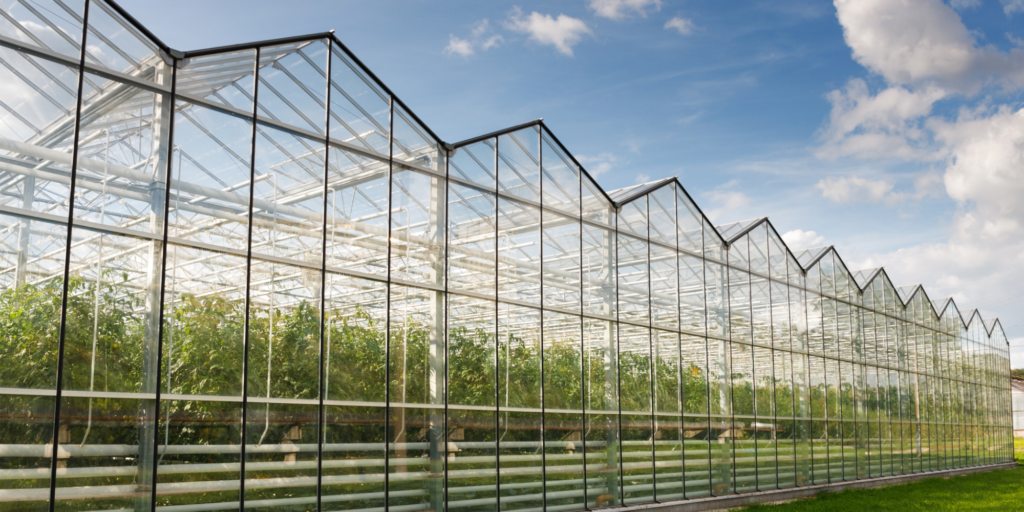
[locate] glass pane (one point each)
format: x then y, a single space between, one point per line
518 164
357 213
633 274
661 204
224 78
563 419
42 24
413 144
561 183
288 196
360 114
37 164
292 84
596 207
518 251
475 163
114 43
599 280
637 422
210 180
417 227
561 237
520 421
601 402
471 240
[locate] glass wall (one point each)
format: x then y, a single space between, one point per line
251 278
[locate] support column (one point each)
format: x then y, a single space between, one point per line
163 112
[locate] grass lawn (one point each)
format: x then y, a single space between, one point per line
1001 490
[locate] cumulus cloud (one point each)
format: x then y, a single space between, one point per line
482 37
964 4
619 9
913 41
725 200
681 25
562 32
926 55
600 164
1013 6
800 239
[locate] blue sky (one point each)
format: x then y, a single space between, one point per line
892 129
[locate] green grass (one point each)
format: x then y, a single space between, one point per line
1001 490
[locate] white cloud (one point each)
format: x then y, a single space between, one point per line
458 46
725 200
1012 6
562 32
682 25
598 165
856 189
926 55
800 239
481 38
619 9
964 4
641 179
913 41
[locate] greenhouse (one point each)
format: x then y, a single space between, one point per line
250 277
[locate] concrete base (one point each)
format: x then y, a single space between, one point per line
780 495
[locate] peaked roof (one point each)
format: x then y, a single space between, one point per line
727 233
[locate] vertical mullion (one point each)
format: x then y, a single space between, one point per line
543 406
650 347
771 340
163 277
707 344
583 348
67 264
447 304
497 336
679 346
387 314
248 281
753 356
618 356
324 365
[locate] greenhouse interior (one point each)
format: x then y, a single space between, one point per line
251 277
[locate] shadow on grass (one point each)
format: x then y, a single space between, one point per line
1001 490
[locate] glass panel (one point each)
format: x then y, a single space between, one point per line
288 196
472 468
668 438
37 163
520 421
31 285
601 401
357 218
696 426
416 392
561 183
292 88
47 24
635 387
115 44
596 207
561 237
692 315
111 346
633 274
210 181
661 204
417 227
518 164
563 411
688 223
474 163
518 251
224 78
360 114
199 453
633 217
354 396
599 271
471 239
664 287
413 144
